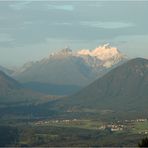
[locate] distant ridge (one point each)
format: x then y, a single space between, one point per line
13 93
66 67
8 82
124 88
6 70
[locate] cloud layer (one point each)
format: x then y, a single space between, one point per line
108 25
34 28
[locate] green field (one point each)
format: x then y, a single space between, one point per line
141 127
65 133
84 124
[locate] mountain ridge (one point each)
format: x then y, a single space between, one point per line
68 68
14 93
123 88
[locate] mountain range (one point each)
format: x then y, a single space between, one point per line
124 88
69 69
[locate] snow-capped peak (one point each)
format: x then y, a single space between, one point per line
104 52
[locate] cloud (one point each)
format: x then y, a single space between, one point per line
64 39
19 5
4 37
61 7
63 24
107 25
28 22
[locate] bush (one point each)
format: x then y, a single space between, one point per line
143 142
8 136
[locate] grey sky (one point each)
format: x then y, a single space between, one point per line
30 30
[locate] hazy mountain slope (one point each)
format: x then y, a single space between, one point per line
123 88
52 89
71 68
60 71
12 92
7 82
6 70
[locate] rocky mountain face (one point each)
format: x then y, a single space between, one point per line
71 68
125 88
106 54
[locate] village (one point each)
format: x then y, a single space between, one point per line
118 126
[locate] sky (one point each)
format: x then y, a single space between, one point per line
31 30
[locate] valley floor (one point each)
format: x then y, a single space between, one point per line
72 132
